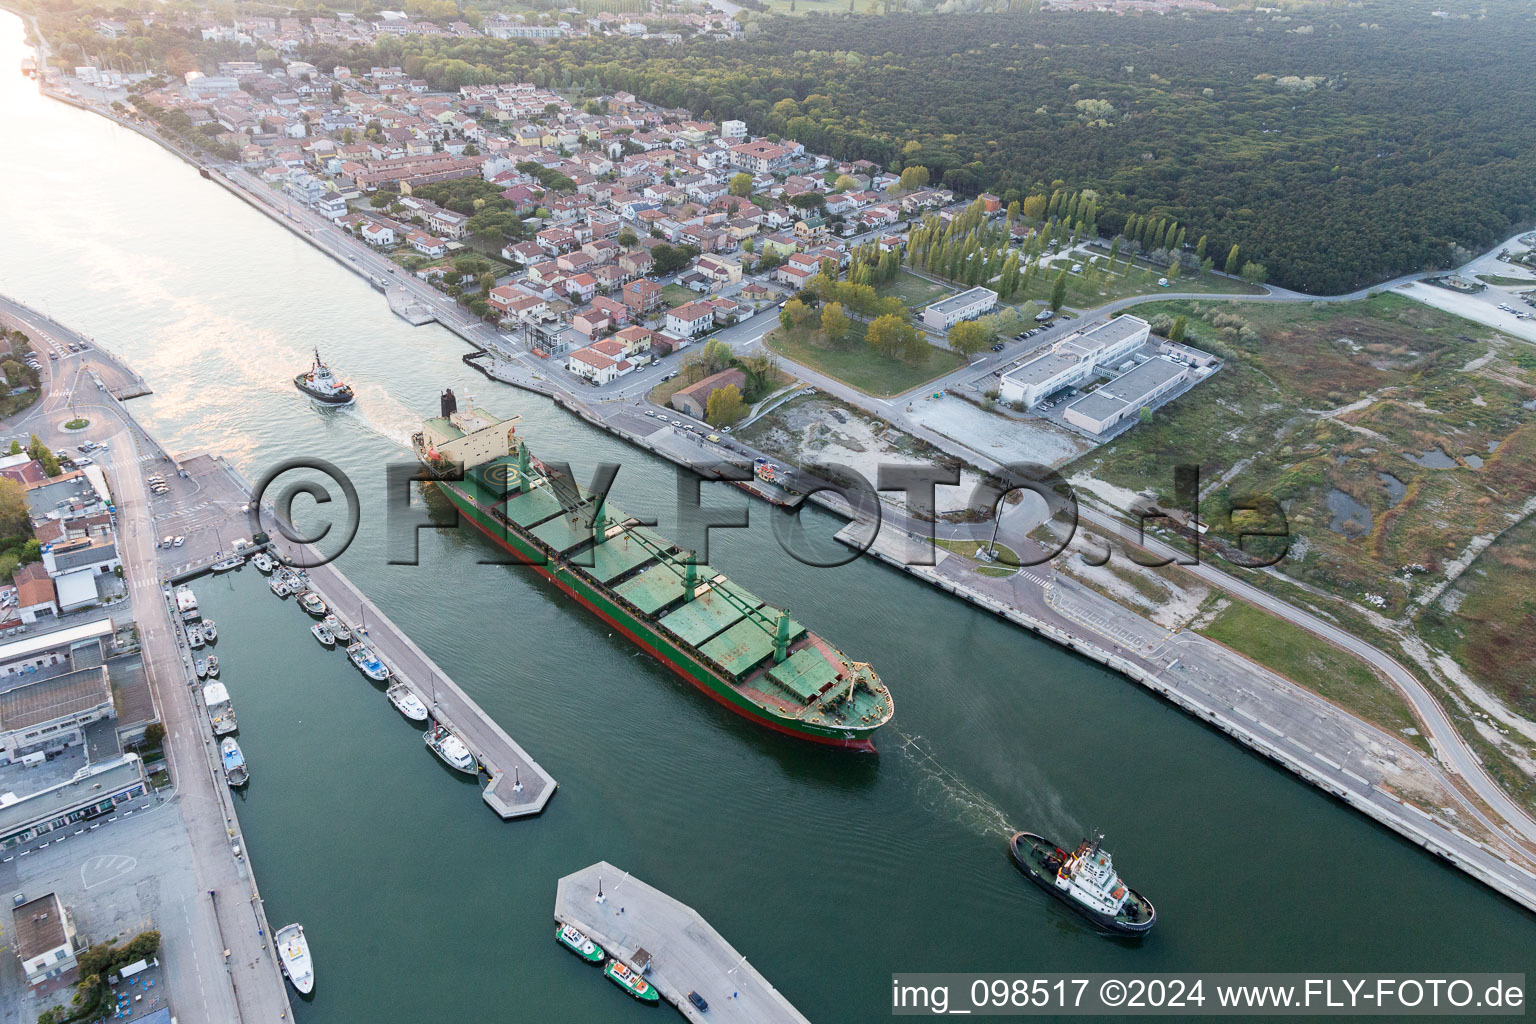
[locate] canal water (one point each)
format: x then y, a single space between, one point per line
828 870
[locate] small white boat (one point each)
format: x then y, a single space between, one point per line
451 749
293 954
279 586
367 662
213 666
406 702
202 668
338 629
186 604
236 773
221 712
226 564
325 636
263 563
195 636
210 631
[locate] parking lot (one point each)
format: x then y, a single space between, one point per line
199 512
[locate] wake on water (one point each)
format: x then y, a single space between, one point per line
975 809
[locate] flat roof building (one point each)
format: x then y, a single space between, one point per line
1074 360
94 791
1123 397
44 937
945 313
52 713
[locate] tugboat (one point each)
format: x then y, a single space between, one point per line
293 954
319 384
451 749
627 978
1084 880
578 943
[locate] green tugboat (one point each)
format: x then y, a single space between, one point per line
579 944
627 978
748 655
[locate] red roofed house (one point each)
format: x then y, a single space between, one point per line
642 296
690 319
35 597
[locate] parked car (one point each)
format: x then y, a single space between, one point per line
179 541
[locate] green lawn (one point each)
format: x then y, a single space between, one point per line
1096 286
913 290
858 367
676 295
1304 659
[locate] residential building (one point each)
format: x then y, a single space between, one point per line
694 399
690 319
35 596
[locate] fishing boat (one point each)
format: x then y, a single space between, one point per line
406 702
221 712
213 666
367 662
627 978
339 629
263 563
578 943
1084 880
226 564
186 604
195 637
202 668
311 603
210 631
293 954
451 749
236 773
325 636
279 585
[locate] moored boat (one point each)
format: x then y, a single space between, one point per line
627 978
263 563
293 954
226 564
1084 880
578 943
454 753
213 666
367 662
325 636
186 604
236 773
279 586
319 383
311 603
406 702
221 712
749 656
210 631
201 668
195 638
340 630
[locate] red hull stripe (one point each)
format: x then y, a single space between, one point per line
865 744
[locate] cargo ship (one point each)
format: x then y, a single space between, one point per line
753 658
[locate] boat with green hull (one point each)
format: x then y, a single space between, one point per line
753 658
578 943
628 979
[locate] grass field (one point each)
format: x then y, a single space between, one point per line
859 367
913 290
1094 286
676 295
1304 659
1507 282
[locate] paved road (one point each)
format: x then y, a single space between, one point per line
250 989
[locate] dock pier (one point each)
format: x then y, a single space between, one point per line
519 786
686 953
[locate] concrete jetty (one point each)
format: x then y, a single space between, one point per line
632 920
519 786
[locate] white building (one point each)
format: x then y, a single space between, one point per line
689 319
1124 397
44 937
733 131
968 305
1073 360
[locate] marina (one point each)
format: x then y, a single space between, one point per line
671 945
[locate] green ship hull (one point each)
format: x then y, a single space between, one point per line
746 655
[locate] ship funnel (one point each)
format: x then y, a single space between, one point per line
450 404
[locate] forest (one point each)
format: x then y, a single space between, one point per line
1337 146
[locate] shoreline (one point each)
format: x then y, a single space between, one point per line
1074 643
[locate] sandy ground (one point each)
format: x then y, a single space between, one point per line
1484 306
829 432
998 437
1175 607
